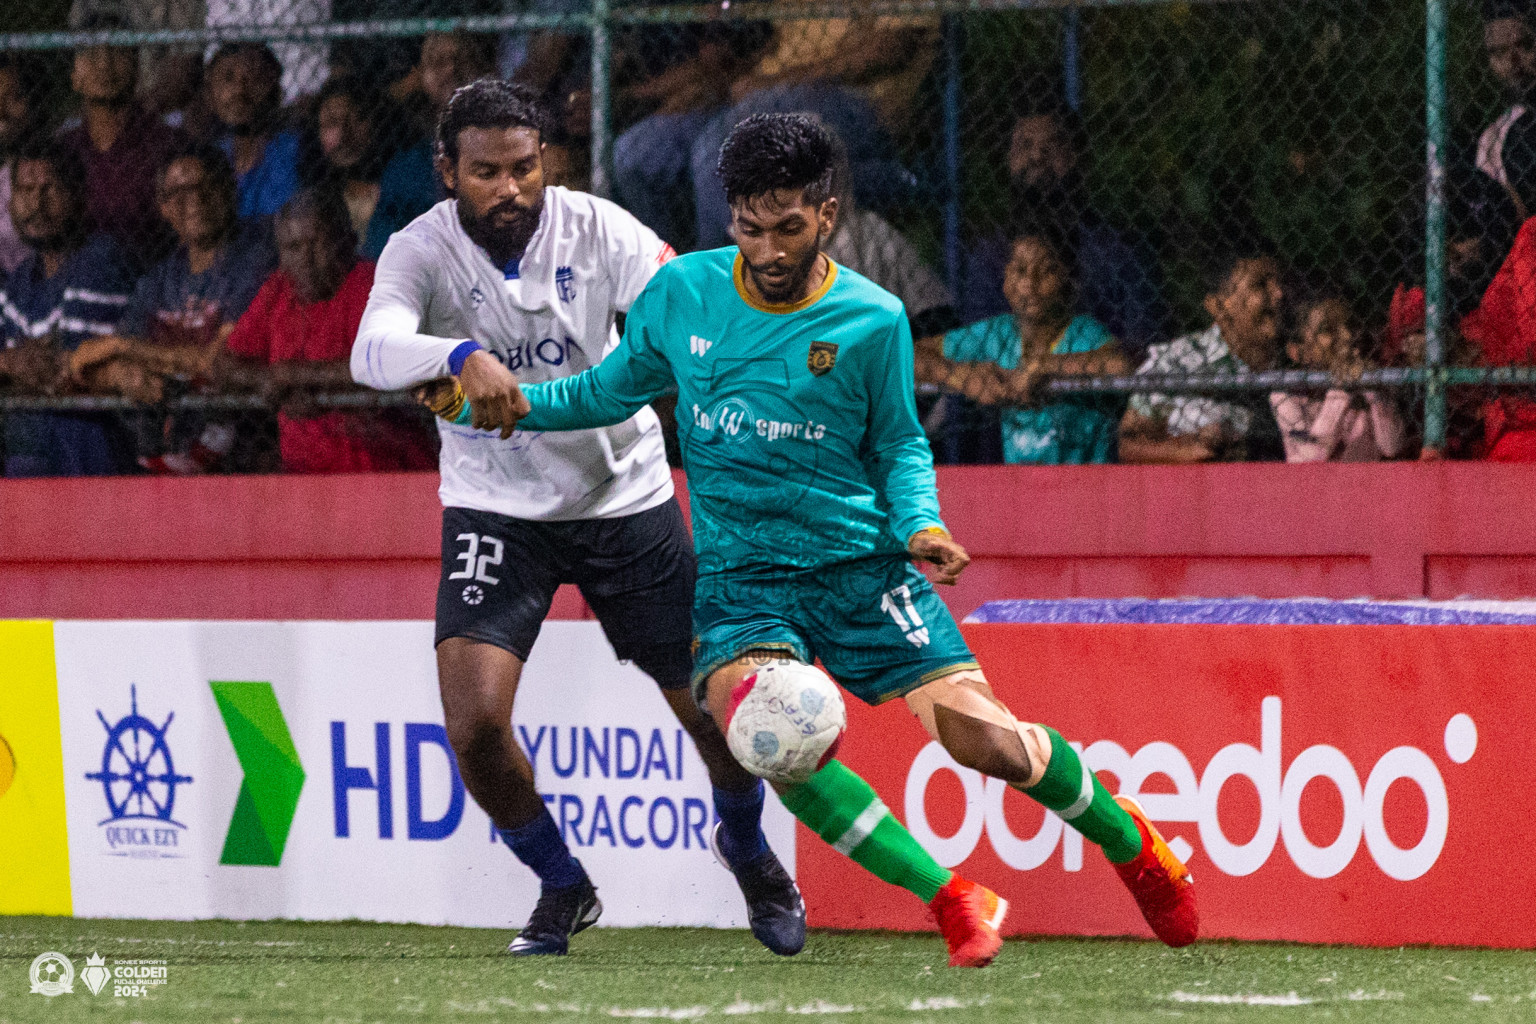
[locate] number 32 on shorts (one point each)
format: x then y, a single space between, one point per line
477 564
909 623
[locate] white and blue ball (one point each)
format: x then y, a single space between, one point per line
786 721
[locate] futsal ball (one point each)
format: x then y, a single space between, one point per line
785 722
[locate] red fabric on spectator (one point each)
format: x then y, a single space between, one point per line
278 327
1503 327
1404 317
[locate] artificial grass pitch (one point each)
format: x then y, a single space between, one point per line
224 972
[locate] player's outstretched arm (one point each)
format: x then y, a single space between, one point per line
627 379
390 351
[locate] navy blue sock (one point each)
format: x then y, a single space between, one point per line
539 845
741 829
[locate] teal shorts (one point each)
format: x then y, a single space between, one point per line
876 624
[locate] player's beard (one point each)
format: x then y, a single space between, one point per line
792 286
504 241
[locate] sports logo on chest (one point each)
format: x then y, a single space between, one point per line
565 284
822 357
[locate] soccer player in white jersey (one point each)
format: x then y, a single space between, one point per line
510 274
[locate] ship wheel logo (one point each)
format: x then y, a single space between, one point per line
137 773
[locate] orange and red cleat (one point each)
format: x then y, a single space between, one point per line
1161 884
969 916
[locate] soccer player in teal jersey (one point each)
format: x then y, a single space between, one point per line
813 491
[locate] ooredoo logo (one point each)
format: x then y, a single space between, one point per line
1197 800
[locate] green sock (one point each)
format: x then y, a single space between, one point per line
1076 794
842 808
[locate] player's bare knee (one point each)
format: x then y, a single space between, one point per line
984 746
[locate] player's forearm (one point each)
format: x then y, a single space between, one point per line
912 494
391 359
576 403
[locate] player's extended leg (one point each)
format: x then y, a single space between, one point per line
775 911
844 810
478 682
638 573
962 713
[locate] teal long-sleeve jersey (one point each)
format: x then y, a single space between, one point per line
798 428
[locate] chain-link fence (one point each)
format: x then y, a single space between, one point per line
1126 230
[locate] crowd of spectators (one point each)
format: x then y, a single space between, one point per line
199 236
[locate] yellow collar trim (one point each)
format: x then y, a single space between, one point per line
783 307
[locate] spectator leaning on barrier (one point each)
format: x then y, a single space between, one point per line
860 75
20 121
1005 359
296 339
410 186
184 308
74 287
245 90
1502 332
121 144
1506 151
1245 303
1336 425
1480 226
1117 285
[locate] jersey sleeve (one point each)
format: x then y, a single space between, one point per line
390 351
633 253
896 453
616 388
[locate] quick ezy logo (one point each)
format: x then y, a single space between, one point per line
1197 800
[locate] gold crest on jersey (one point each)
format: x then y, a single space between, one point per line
822 358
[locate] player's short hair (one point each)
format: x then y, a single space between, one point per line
769 152
489 103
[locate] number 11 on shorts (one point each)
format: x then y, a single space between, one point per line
911 623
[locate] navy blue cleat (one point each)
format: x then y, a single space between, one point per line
559 914
775 911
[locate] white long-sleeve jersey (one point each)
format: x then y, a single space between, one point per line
548 315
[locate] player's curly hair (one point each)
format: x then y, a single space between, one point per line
489 103
768 152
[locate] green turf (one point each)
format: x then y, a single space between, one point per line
355 973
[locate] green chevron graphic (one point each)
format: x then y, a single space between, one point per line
269 796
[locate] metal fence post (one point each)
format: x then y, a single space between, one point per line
1434 223
602 127
952 153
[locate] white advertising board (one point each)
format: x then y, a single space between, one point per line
180 745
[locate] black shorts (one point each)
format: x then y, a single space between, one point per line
637 573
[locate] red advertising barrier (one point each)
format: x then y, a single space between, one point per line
1352 784
368 546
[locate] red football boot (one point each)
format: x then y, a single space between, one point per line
1161 884
969 915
